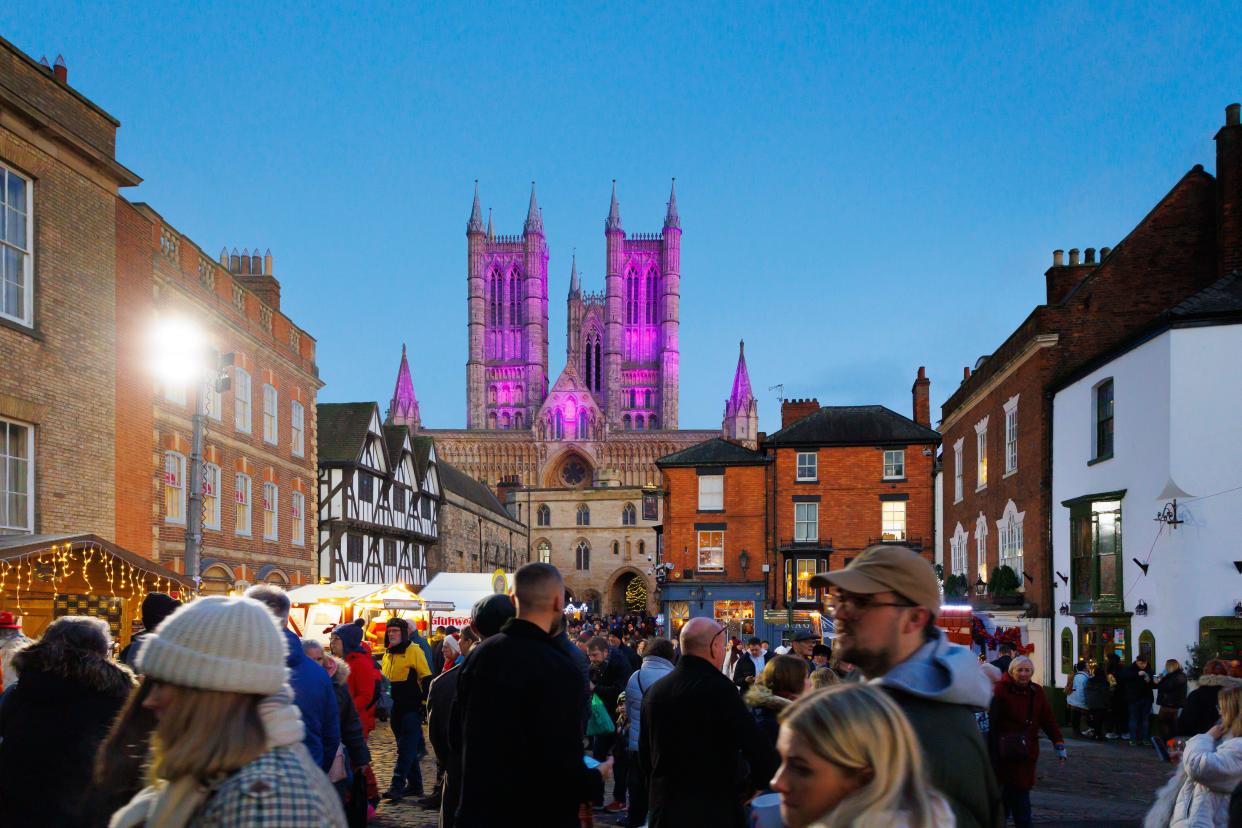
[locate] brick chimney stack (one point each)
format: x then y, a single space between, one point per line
1229 189
794 410
255 272
60 70
921 391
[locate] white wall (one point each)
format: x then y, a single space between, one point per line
939 541
1178 415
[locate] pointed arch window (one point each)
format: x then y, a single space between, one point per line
583 515
558 425
631 298
647 398
517 420
638 423
652 280
651 423
543 516
629 516
582 555
545 552
495 295
598 384
626 422
515 297
586 362
582 424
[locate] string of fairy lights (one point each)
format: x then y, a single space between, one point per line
61 562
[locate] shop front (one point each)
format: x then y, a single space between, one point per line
738 606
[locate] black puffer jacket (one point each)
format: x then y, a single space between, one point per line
766 707
1171 689
1200 712
50 726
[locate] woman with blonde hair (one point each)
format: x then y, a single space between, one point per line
1019 711
849 759
1210 769
226 749
783 680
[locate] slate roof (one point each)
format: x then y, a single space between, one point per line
852 425
1223 297
394 436
342 430
453 479
422 453
716 452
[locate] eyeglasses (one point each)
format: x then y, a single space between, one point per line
719 633
835 603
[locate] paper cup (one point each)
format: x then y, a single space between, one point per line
765 811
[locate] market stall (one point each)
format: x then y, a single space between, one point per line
461 590
317 608
984 630
44 577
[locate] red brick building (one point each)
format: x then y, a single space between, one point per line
997 441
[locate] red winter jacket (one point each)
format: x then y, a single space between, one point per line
1011 706
364 678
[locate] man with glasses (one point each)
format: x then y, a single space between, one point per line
884 607
694 727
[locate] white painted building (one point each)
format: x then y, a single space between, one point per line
1160 418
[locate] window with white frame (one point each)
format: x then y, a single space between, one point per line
894 463
808 465
711 493
711 551
16 478
174 487
893 520
211 496
213 406
957 550
241 499
16 246
957 471
270 433
545 552
297 420
271 500
981 454
1009 538
806 522
1011 434
241 400
981 546
297 514
174 392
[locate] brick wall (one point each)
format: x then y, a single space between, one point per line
744 516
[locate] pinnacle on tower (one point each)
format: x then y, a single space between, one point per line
614 211
741 417
475 225
534 217
403 410
574 288
741 393
490 235
671 219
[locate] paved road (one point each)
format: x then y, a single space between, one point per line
1104 785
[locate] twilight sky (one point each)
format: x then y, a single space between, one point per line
862 191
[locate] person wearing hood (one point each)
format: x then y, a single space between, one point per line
312 689
1019 711
227 748
1200 712
405 666
884 606
365 680
54 719
155 608
783 680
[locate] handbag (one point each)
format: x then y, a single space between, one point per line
1017 746
599 722
340 767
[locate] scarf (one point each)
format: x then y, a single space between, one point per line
173 804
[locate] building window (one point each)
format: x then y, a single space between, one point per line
16 243
957 471
269 414
981 454
174 392
629 516
583 515
711 493
174 487
241 400
544 552
214 405
398 498
16 478
353 549
1104 420
894 463
981 546
366 487
738 616
711 551
297 421
806 522
1011 435
241 495
798 574
616 547
893 520
211 496
808 465
543 515
271 498
582 556
297 511
957 549
390 552
1067 651
1095 552
1009 538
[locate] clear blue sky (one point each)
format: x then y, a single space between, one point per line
862 191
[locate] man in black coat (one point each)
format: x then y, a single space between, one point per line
694 730
750 665
520 698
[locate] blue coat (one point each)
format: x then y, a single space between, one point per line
314 696
654 668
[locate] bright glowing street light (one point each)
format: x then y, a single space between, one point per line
178 351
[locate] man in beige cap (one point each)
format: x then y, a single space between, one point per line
884 607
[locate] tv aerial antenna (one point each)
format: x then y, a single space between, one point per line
779 388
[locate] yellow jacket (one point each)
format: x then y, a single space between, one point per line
404 664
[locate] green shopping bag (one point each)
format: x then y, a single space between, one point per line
600 722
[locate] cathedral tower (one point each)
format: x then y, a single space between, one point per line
507 288
741 414
403 409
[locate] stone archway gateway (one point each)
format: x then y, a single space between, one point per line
629 592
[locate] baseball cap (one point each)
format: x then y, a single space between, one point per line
887 567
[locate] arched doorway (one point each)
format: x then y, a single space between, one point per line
217 580
629 593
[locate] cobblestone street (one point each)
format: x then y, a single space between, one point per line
407 812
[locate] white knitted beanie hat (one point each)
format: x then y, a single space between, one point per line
217 643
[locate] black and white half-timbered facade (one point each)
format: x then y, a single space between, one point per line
379 497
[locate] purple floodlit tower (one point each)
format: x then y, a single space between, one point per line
507 372
403 410
741 415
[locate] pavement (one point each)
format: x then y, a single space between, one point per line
1102 785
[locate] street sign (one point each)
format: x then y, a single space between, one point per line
414 604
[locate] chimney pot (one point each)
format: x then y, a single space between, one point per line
1233 114
1088 256
1058 258
267 262
60 69
1104 251
965 373
234 262
1073 256
245 260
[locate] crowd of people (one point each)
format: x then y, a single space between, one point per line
217 714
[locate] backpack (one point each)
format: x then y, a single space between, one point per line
383 700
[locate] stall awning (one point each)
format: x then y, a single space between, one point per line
17 548
351 592
461 589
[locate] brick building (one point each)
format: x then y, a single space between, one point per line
996 425
841 479
259 449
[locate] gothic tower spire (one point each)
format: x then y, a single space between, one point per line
403 410
490 235
671 219
574 288
475 225
614 211
534 216
741 417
